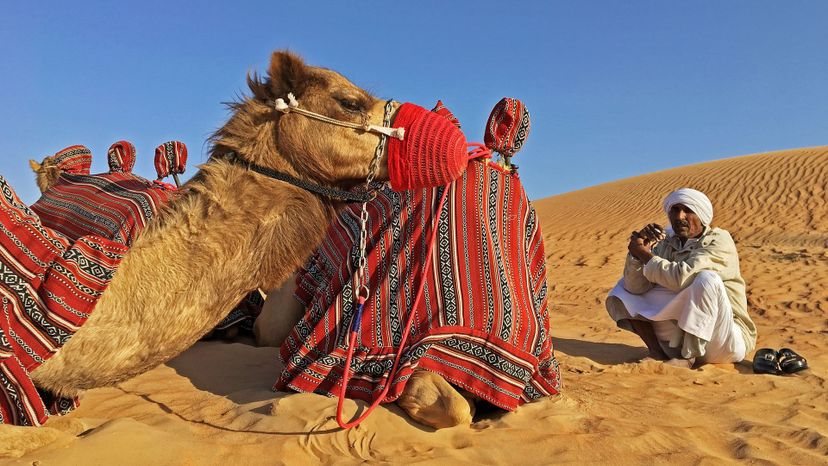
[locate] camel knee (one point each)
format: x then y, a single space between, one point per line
429 399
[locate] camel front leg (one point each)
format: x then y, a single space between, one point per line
429 399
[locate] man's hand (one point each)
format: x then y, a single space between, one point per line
652 233
642 241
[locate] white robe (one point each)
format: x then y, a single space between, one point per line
702 310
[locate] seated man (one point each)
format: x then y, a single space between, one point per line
683 294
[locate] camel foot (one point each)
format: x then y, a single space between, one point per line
432 401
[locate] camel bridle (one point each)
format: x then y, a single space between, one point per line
384 131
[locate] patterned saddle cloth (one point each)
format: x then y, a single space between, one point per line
49 284
116 206
57 258
483 322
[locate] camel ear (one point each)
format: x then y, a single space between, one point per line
288 73
35 166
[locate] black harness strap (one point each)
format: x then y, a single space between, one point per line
325 191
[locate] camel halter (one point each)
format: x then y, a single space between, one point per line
292 105
361 276
332 193
385 131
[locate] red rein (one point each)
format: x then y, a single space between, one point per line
479 151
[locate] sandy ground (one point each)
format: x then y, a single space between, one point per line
213 404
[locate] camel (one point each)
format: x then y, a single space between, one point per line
46 172
230 231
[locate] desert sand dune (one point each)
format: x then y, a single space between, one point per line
213 404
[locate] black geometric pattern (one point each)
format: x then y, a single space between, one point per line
449 295
506 325
32 307
505 240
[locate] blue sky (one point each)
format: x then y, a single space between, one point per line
615 89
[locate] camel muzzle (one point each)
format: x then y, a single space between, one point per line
425 149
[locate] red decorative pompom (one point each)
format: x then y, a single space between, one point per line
121 157
508 127
170 159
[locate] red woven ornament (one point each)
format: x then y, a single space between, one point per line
441 110
170 159
432 153
508 127
121 157
74 159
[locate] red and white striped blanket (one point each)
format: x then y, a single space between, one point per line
483 322
116 206
49 284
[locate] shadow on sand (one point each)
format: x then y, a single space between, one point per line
240 372
602 353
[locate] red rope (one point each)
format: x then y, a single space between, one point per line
479 151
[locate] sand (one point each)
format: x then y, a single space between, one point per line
213 404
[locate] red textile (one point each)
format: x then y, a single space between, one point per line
170 158
74 159
508 127
444 112
121 157
48 285
483 321
115 206
432 153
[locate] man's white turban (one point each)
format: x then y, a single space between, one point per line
695 200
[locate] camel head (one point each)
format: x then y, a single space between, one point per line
296 144
46 172
321 151
72 159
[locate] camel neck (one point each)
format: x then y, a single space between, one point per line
231 231
326 192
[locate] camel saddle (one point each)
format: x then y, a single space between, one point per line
56 259
116 205
49 284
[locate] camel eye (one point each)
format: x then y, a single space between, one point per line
349 105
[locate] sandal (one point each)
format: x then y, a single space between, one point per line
765 362
790 362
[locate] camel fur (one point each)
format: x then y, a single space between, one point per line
46 172
230 231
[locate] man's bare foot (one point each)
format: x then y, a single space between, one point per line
432 401
657 356
647 333
680 362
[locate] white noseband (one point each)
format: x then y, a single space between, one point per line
292 105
